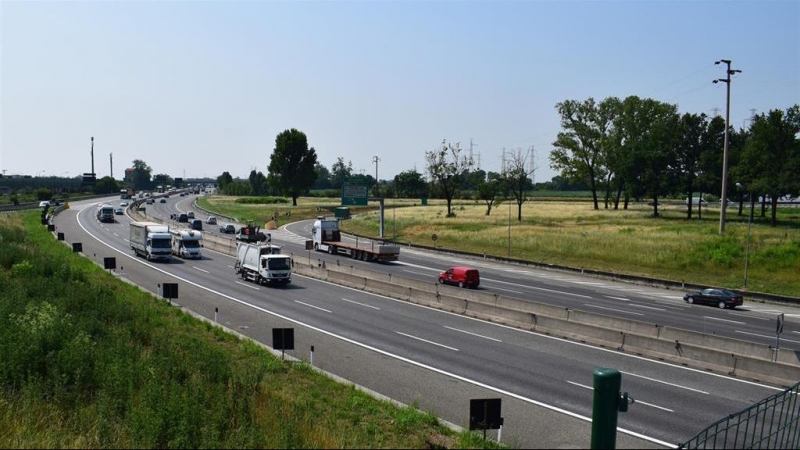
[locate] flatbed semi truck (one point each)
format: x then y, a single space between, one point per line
327 237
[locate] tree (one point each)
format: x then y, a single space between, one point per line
258 183
106 185
517 177
323 180
410 184
772 156
487 191
291 166
224 180
692 129
581 150
649 136
141 175
340 172
162 179
447 165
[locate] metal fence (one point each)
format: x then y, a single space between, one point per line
771 423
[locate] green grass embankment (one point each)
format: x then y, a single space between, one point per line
90 361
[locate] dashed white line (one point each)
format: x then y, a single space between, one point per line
201 270
724 320
312 306
766 336
647 307
427 341
619 298
749 316
612 309
362 304
248 286
473 334
636 401
664 382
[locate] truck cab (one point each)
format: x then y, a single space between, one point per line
263 263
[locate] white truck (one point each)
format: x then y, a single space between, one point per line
326 237
105 213
263 263
151 240
186 243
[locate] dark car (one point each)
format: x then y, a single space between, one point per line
718 297
119 211
183 218
461 277
196 224
162 201
227 228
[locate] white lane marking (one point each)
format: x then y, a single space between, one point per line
507 290
201 270
312 306
415 272
619 298
425 340
766 336
612 309
647 307
796 332
473 334
247 286
724 320
589 283
664 382
115 234
362 304
749 316
636 400
653 406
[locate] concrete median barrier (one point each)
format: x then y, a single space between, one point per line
735 346
498 314
614 323
540 309
387 288
766 370
434 300
345 279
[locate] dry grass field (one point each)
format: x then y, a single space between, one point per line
571 233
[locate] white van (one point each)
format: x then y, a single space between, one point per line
696 201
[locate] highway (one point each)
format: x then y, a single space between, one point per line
441 360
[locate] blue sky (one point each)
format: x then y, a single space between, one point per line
197 88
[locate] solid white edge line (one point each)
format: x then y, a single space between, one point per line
473 334
725 320
646 307
612 309
427 341
431 368
237 282
201 270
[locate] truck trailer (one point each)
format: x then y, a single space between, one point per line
186 243
326 237
151 240
263 263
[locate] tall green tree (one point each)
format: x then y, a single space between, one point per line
692 129
224 180
106 185
340 172
446 166
323 180
410 184
771 157
258 183
581 151
291 166
141 175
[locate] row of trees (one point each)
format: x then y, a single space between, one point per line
642 148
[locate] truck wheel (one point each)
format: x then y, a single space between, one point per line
331 249
316 246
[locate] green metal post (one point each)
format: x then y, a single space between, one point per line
607 383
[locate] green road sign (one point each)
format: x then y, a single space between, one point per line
354 194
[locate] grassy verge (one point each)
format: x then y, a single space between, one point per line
571 233
89 361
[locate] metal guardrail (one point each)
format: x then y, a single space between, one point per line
771 423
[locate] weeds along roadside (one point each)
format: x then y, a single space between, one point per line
89 361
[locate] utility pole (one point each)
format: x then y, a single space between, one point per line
111 163
375 159
471 144
92 155
724 196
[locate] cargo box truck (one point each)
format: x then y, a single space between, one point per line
151 240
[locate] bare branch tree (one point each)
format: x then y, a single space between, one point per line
446 167
517 176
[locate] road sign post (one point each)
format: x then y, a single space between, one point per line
778 331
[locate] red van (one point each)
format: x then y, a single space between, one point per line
461 277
